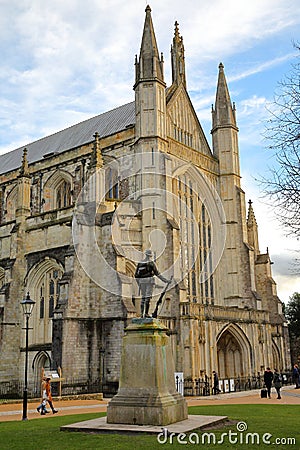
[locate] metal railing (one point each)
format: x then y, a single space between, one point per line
203 386
71 386
11 390
200 387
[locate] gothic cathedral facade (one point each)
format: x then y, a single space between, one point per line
79 208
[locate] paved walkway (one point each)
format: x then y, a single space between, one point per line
290 396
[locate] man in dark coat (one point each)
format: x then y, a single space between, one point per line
144 275
215 389
296 376
268 378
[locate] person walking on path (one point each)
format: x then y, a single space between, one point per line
268 378
42 407
215 389
49 395
296 376
277 381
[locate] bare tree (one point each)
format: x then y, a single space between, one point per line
292 313
282 133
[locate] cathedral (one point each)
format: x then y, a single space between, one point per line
78 210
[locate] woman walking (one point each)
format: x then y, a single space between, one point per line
277 380
49 395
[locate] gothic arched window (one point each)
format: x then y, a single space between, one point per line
42 302
11 203
63 195
195 242
112 184
43 283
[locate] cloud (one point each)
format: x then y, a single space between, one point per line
286 286
262 67
81 55
286 264
230 26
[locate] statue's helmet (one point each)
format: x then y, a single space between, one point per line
148 252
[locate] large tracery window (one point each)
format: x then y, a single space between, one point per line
11 203
63 195
56 192
43 283
195 242
49 293
207 287
111 184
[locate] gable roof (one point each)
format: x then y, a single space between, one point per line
175 90
105 124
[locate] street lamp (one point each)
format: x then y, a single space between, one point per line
27 305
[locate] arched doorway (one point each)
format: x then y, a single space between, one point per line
229 357
41 361
276 357
233 353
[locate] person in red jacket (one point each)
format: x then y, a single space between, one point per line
49 395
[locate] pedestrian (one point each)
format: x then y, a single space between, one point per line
277 381
49 395
215 389
42 407
268 378
296 376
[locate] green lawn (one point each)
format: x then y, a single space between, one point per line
280 421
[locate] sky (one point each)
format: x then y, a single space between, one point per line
64 62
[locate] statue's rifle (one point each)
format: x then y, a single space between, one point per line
159 301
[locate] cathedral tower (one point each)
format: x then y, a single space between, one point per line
150 126
226 149
150 99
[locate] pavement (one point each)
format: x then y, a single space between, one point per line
13 411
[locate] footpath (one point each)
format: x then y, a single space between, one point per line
13 411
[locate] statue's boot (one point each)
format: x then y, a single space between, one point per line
142 309
147 310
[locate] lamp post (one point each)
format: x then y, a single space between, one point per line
27 305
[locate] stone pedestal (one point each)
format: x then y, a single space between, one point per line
147 394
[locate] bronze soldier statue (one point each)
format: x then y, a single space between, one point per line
144 274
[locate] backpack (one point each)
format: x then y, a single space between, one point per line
277 379
143 270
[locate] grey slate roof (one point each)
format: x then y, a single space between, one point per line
105 124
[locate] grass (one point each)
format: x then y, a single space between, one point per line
282 421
